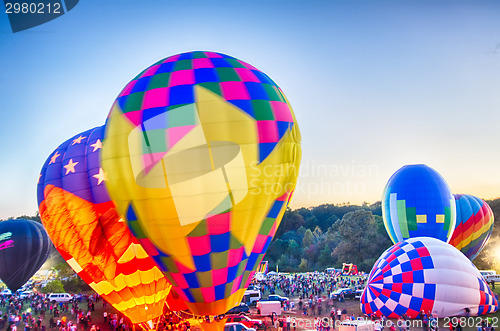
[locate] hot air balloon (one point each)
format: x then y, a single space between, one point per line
202 152
24 248
417 202
474 225
426 274
85 228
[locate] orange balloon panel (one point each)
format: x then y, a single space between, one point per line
90 235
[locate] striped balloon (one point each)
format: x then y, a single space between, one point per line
474 225
84 226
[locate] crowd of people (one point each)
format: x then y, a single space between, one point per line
312 284
29 314
311 293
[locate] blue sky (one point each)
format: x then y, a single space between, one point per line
375 85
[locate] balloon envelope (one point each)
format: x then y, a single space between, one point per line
417 202
24 248
474 225
90 235
202 152
426 274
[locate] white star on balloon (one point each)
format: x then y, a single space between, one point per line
54 157
78 140
70 167
97 145
101 176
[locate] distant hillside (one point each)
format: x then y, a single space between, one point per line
330 234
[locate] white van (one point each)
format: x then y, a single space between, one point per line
25 294
492 278
59 297
485 273
251 296
267 308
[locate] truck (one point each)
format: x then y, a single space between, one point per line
267 308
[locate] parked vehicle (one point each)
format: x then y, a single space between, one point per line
266 308
487 272
347 292
59 297
241 309
490 276
275 297
358 294
253 287
237 327
251 323
25 294
251 297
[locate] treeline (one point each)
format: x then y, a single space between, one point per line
325 236
329 235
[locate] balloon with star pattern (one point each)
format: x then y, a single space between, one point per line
202 152
86 229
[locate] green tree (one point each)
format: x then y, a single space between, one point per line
326 259
54 286
301 232
311 222
63 270
75 285
317 233
308 238
360 242
294 248
303 266
291 221
283 262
